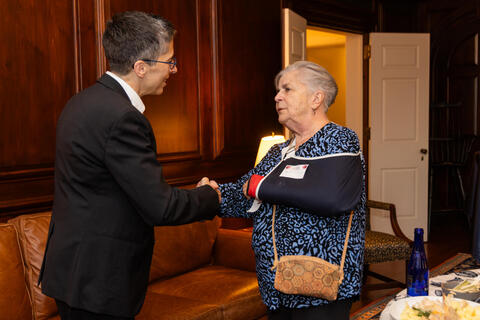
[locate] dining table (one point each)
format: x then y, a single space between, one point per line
460 267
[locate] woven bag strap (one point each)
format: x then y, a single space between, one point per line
275 261
346 242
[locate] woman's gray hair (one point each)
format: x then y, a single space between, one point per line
315 77
134 35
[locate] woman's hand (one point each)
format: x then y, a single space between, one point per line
215 187
245 189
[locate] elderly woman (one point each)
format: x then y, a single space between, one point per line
305 92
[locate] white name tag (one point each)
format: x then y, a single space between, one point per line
294 172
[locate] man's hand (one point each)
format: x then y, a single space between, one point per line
203 182
213 184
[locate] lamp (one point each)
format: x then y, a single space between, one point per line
265 144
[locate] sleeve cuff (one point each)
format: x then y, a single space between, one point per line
253 183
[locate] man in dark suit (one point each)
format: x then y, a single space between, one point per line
109 188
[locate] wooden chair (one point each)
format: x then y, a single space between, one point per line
451 154
383 247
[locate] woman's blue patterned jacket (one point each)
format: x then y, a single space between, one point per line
301 233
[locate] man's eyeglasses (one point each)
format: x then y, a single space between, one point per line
172 62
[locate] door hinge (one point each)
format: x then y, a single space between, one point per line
367 133
367 50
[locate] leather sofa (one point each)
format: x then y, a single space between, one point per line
199 271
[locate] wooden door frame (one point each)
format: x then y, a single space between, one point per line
366 104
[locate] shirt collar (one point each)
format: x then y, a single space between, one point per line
132 95
289 150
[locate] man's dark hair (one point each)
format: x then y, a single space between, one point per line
134 35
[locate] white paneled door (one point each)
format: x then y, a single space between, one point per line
294 37
399 99
294 32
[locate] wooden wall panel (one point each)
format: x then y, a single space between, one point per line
227 51
397 16
463 83
38 75
175 115
455 68
249 51
89 28
346 15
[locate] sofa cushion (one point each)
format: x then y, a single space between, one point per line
32 232
179 249
167 307
236 291
237 241
14 301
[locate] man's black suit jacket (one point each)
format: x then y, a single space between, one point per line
109 193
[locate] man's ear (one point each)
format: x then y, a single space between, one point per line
140 68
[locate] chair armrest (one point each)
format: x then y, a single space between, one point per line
233 249
393 216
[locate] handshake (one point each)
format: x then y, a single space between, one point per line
211 183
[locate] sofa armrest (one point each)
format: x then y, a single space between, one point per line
233 249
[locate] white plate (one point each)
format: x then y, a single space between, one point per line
394 310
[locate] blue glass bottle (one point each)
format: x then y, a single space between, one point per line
417 269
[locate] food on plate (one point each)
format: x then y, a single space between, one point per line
467 286
446 309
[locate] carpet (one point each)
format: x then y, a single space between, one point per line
459 262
